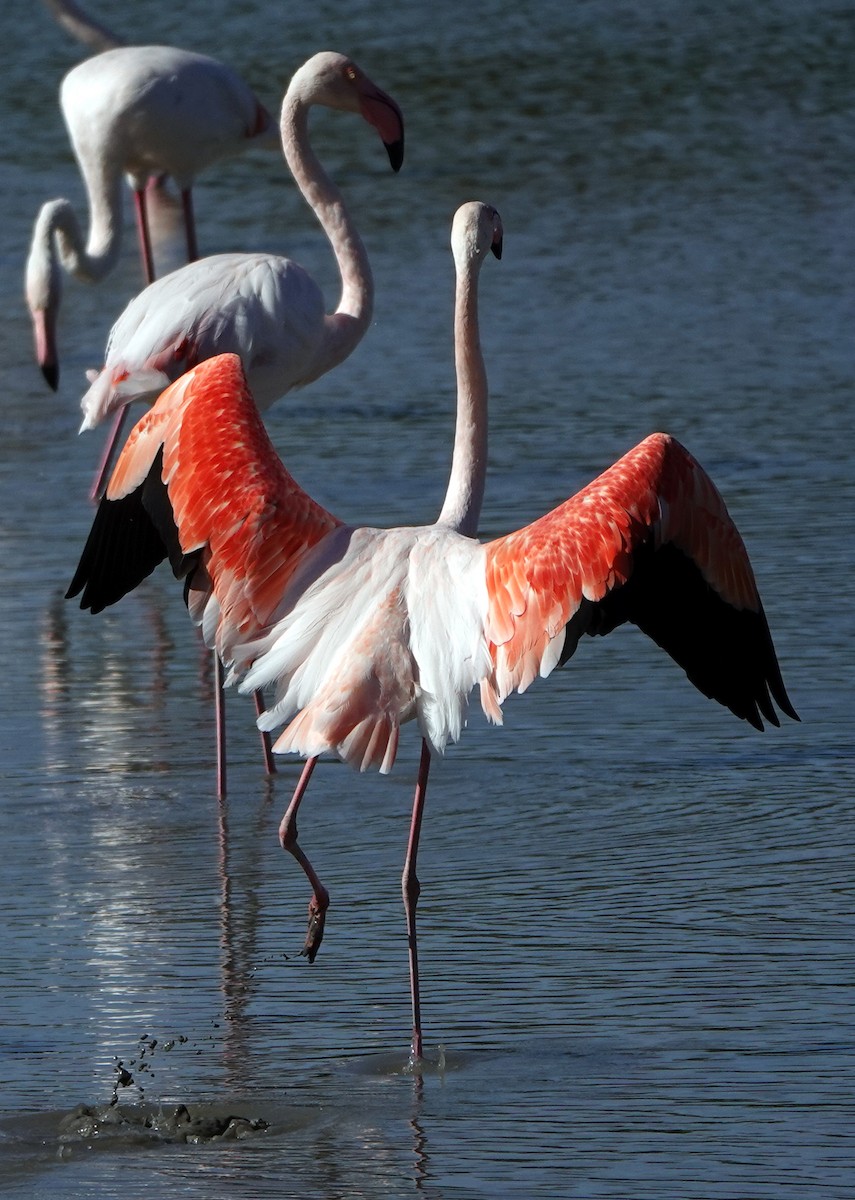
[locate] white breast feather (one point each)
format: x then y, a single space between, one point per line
391 629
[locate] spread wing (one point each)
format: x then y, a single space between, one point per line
649 541
199 481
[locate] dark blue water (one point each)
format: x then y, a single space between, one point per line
637 916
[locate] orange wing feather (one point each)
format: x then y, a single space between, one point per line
655 503
229 491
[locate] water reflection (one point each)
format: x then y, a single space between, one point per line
93 703
240 912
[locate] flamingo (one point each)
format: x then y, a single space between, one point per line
144 112
363 629
264 307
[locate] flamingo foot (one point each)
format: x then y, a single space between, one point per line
320 900
416 1049
315 932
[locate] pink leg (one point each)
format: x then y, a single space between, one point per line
410 888
144 235
266 750
320 900
220 720
99 485
189 225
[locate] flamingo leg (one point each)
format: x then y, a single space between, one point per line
320 900
144 234
220 721
189 225
410 888
266 749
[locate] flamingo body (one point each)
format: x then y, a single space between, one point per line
157 110
265 308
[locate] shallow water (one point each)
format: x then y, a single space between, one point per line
636 922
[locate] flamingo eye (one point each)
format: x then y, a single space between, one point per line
350 73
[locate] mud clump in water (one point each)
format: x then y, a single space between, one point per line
170 1123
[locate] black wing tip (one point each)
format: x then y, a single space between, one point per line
765 707
785 704
772 690
753 695
726 652
129 537
88 604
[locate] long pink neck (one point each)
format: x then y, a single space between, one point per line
462 506
81 26
57 239
347 325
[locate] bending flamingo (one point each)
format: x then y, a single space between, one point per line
363 629
263 307
143 112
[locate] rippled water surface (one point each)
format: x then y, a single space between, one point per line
637 916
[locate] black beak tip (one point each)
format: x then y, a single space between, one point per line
395 150
51 374
497 248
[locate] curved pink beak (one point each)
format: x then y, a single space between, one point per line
381 111
44 333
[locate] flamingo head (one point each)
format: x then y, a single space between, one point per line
337 82
476 229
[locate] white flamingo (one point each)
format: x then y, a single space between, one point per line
362 629
143 112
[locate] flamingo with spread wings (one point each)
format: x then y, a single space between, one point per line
361 629
143 112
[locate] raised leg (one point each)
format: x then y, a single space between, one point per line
189 225
410 887
266 749
320 900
